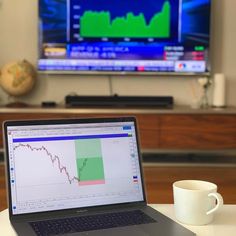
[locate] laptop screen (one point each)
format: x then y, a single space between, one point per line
72 165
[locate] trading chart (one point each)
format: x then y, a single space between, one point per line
57 168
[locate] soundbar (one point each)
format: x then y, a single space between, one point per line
119 101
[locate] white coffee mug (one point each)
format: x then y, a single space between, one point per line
195 201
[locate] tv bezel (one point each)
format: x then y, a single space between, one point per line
136 73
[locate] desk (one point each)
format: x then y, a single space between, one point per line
224 223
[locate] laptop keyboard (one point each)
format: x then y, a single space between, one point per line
87 223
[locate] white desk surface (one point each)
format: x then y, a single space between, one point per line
224 223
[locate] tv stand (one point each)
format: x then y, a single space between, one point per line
119 101
180 128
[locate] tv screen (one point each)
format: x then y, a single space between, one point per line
131 36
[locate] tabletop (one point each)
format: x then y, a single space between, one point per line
224 221
223 224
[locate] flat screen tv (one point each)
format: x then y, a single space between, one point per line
124 37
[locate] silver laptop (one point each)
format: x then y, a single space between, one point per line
79 177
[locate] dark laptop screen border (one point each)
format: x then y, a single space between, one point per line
68 121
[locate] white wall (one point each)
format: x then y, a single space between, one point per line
18 40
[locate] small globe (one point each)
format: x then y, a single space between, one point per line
18 78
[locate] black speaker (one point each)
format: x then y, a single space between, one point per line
120 101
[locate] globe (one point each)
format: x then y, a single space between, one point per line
18 78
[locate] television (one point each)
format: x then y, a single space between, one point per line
124 37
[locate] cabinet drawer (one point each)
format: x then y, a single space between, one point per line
197 131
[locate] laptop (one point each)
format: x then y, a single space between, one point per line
79 177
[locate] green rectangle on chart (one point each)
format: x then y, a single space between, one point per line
88 148
90 169
89 159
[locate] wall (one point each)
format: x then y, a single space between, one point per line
18 40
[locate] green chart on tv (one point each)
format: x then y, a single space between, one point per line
99 24
89 159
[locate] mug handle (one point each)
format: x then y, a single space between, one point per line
220 202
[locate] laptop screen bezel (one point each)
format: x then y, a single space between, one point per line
7 124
